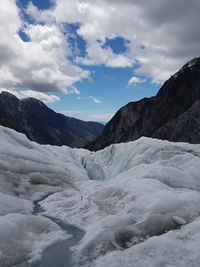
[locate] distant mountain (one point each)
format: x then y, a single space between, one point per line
44 126
173 114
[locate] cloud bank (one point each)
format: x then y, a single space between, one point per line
160 37
39 62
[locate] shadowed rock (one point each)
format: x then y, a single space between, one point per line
44 126
173 114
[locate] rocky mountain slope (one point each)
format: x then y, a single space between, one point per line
173 114
43 125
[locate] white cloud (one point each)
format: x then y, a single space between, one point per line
42 63
29 93
39 95
74 90
95 100
162 35
7 76
97 55
135 80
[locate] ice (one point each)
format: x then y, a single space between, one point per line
138 202
27 172
178 220
175 248
24 237
28 168
10 204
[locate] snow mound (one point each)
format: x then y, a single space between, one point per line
139 190
10 204
138 202
29 171
171 163
24 237
175 248
27 168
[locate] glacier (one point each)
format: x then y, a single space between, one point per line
138 202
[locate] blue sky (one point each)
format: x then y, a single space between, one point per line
86 59
109 85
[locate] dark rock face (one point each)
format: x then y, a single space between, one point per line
173 114
43 125
127 124
184 128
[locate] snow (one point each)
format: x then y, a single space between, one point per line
178 220
24 237
175 248
28 168
10 204
27 172
138 202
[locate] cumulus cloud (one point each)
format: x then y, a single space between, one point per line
74 90
95 100
162 35
40 64
29 93
97 55
135 80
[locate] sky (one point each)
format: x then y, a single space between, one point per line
88 58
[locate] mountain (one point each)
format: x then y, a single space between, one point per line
44 126
173 114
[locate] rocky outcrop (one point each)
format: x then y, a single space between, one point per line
44 126
173 114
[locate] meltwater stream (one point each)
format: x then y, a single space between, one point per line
58 254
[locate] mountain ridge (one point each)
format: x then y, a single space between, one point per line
43 125
160 116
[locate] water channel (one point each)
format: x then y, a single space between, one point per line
58 254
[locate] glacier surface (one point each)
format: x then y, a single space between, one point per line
138 202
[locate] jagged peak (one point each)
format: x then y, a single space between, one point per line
7 94
188 66
191 63
32 100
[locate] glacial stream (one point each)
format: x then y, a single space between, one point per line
58 254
